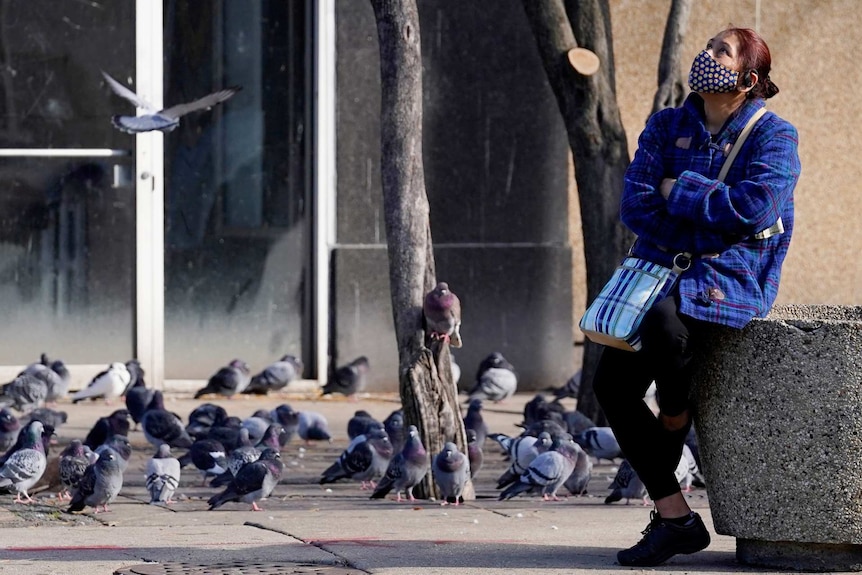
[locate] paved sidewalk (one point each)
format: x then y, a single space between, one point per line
334 529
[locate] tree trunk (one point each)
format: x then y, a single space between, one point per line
428 394
597 140
672 88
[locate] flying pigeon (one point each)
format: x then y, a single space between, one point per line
406 469
275 376
164 120
442 312
547 473
208 456
474 420
24 468
627 484
313 427
253 482
162 475
24 393
365 459
475 453
101 483
203 418
451 469
9 429
53 373
117 423
161 426
349 379
227 381
579 480
394 426
496 379
74 461
599 442
108 384
361 423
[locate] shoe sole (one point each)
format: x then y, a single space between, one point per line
686 550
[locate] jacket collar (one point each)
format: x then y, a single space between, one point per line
734 124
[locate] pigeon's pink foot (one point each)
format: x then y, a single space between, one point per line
254 506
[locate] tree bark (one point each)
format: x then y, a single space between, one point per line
597 140
428 394
672 87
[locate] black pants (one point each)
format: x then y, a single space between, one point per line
621 380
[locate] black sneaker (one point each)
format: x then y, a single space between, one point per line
663 539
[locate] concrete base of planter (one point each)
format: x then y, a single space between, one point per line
779 420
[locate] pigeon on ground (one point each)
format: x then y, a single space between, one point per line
101 483
538 409
579 480
163 475
475 453
577 422
627 484
522 451
46 438
288 418
442 313
406 468
208 456
687 471
24 393
571 388
361 423
245 453
271 437
253 482
451 470
138 397
599 442
163 120
228 381
313 427
227 434
53 373
120 445
108 384
474 420
24 468
203 418
47 416
117 423
365 459
161 426
9 429
74 461
349 379
396 430
275 376
547 473
256 427
496 379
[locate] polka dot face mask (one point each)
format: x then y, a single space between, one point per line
709 77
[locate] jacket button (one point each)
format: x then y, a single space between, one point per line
715 294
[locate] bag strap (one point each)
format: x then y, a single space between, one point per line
737 145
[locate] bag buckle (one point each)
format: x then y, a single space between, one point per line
681 262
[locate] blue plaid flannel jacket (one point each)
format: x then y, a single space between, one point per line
705 216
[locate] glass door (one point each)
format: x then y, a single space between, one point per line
67 191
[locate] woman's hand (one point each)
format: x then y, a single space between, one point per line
666 187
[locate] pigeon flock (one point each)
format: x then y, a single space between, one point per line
218 455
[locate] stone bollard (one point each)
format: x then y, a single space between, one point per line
779 421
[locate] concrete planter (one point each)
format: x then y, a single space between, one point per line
779 420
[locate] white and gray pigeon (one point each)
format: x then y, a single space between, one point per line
522 451
496 379
237 458
349 380
451 470
313 426
442 312
579 480
54 373
101 483
627 485
24 393
162 475
365 459
600 442
163 120
547 473
406 469
108 384
25 467
253 482
228 380
74 461
208 456
687 471
275 376
162 426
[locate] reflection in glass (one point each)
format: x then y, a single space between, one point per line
237 234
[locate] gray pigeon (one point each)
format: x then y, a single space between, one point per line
442 312
236 459
547 473
313 427
451 470
101 483
365 459
394 426
9 428
53 373
228 381
275 376
73 463
25 467
496 379
361 423
349 379
474 420
579 480
203 418
108 384
406 469
522 451
571 388
475 453
47 416
163 120
253 482
255 427
24 393
162 475
120 445
627 484
599 442
138 396
288 418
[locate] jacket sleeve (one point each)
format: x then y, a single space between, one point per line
753 203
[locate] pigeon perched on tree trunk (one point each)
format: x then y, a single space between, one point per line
442 312
451 469
275 376
253 482
163 120
406 469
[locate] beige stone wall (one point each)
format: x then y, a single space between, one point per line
815 63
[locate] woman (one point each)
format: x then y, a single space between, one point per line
738 229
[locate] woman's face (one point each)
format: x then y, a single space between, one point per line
724 48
